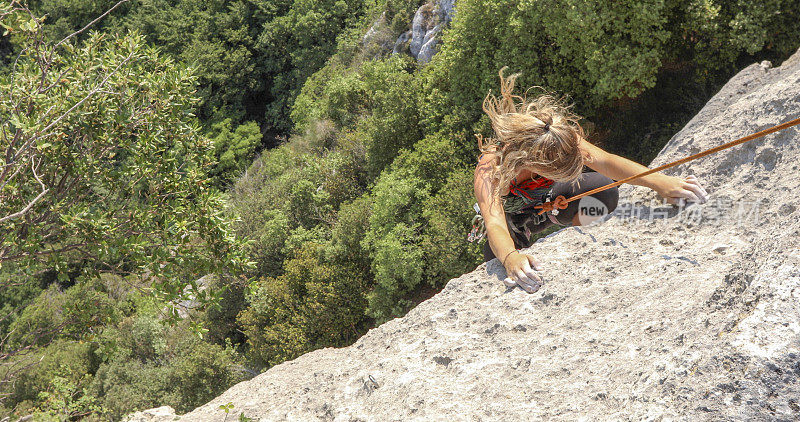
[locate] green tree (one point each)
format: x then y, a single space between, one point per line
74 313
297 44
312 305
392 242
55 370
262 202
219 39
17 293
103 164
67 16
712 34
150 365
448 214
344 247
65 399
378 101
234 150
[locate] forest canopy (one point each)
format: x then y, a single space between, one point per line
271 177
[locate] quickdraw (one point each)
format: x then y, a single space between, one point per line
478 231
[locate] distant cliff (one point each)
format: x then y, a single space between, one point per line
422 39
690 315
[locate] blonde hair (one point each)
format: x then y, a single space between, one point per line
542 135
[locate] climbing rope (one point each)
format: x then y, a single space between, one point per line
561 202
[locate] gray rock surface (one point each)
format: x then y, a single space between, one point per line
429 21
695 316
402 42
159 414
375 28
421 41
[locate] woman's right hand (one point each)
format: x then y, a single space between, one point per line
521 269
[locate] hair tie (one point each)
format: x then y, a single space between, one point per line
546 127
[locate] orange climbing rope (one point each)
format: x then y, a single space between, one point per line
561 202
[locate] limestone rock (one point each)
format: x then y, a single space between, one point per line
429 21
639 318
421 41
159 414
402 43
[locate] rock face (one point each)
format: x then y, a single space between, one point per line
428 23
422 40
163 413
653 314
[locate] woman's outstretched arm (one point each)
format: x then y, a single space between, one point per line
675 190
519 266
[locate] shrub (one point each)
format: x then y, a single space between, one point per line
344 247
233 150
73 314
392 241
448 214
311 305
68 359
154 366
376 100
221 320
16 292
297 44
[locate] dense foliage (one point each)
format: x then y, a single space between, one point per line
113 356
104 167
104 171
347 169
252 56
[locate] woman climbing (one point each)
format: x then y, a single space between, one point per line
539 153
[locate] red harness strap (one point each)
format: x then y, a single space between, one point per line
529 185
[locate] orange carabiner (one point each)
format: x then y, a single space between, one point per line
559 203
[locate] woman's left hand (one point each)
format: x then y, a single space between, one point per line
677 191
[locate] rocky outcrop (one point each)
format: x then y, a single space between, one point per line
655 314
158 414
428 23
422 40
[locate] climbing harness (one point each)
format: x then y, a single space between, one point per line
522 197
561 202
